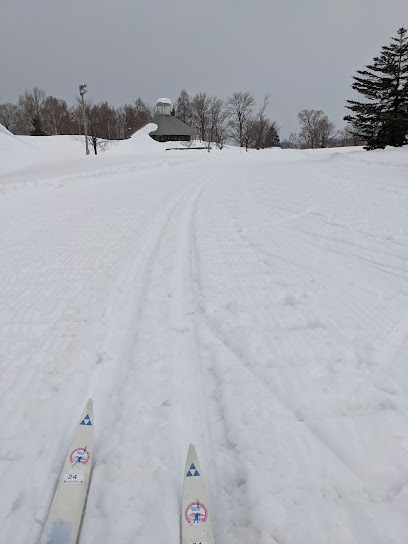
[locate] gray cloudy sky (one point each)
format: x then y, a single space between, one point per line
303 52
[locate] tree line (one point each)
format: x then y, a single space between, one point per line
316 130
380 120
218 121
37 114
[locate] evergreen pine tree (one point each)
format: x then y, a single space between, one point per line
383 119
272 137
37 129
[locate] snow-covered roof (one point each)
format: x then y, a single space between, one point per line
163 101
167 125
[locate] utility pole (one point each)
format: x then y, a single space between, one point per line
82 91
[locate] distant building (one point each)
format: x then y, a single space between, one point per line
169 128
286 145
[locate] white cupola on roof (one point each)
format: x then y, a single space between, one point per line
163 106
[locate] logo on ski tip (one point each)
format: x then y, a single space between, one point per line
79 457
86 421
196 513
192 471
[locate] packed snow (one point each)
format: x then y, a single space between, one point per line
255 304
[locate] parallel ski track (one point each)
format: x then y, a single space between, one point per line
76 355
159 379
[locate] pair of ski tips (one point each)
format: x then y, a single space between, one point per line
67 508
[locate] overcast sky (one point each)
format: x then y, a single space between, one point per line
302 52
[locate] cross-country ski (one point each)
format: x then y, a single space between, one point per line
196 525
64 518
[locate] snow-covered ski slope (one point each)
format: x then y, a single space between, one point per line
255 305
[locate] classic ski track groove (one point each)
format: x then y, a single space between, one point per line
163 296
141 374
54 342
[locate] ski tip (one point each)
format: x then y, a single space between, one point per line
88 406
191 455
191 450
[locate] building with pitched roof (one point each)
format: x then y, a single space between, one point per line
169 128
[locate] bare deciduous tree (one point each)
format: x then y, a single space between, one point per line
31 106
143 113
308 120
315 128
200 107
218 122
94 125
107 116
9 116
255 130
182 108
239 107
260 125
326 131
294 140
348 136
57 119
132 118
248 131
120 123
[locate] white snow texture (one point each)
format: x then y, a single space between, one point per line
255 304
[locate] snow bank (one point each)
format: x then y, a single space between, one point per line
37 157
140 142
390 156
143 133
14 151
52 160
27 157
3 130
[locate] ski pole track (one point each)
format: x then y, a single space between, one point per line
283 408
360 309
188 378
265 237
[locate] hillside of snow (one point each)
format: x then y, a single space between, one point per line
255 304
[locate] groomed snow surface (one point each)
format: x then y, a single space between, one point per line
254 304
